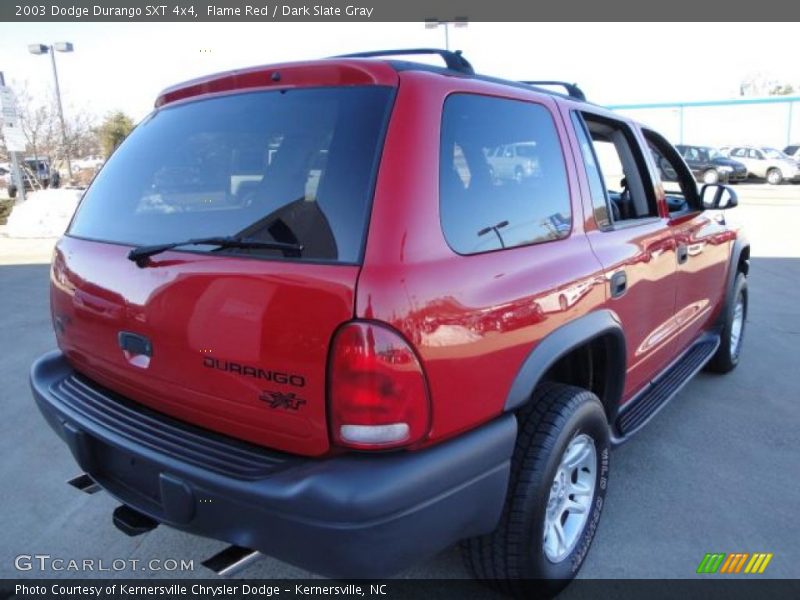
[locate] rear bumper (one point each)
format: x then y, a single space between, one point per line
353 516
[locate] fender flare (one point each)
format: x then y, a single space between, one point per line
739 245
563 340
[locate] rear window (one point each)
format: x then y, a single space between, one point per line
492 199
293 166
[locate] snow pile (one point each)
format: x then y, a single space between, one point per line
44 214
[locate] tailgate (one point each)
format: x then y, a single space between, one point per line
216 325
238 345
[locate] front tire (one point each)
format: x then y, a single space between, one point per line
727 355
559 476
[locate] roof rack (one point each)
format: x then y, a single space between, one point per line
454 60
572 88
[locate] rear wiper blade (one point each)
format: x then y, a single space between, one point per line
140 254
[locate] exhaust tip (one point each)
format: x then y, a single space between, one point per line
231 560
131 522
85 483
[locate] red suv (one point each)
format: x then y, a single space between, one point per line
297 311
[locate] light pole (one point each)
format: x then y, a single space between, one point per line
51 50
434 23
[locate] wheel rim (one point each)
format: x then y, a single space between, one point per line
737 326
711 177
774 177
571 495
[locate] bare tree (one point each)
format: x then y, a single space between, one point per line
36 121
39 122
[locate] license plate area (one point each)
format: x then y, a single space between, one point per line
117 470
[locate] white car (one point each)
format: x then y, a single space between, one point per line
90 162
513 161
767 163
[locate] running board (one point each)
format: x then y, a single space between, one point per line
85 484
661 390
231 560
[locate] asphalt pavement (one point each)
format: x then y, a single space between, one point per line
716 471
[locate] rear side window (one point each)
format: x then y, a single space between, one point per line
502 179
293 166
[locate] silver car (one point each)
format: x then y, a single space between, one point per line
767 163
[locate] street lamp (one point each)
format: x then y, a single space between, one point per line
51 50
434 23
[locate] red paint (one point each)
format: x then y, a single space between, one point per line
470 320
273 315
289 75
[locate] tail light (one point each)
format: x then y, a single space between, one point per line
378 396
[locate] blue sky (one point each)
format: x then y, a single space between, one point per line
124 65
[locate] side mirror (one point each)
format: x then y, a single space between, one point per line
718 197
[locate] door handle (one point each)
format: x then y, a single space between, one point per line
683 253
618 283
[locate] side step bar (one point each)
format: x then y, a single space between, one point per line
231 560
638 411
85 484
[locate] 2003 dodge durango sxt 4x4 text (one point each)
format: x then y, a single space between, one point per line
302 310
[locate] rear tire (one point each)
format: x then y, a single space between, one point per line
730 347
559 476
774 176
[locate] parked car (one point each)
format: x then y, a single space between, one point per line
710 166
91 163
513 161
36 174
793 151
766 163
410 355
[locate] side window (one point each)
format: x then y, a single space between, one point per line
740 152
622 169
507 200
756 154
597 187
676 179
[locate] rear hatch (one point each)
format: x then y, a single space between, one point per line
234 339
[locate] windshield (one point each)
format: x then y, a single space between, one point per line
773 153
292 166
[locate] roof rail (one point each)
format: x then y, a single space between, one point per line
454 60
572 88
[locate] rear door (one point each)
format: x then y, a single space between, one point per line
740 154
633 242
234 340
